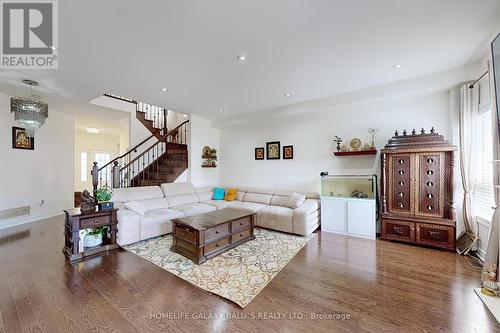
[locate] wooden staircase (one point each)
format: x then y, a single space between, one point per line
160 158
168 167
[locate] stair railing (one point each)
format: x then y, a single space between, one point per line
146 166
126 170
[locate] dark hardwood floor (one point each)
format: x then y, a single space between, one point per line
377 286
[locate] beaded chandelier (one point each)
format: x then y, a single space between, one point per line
30 112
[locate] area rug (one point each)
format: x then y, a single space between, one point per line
239 274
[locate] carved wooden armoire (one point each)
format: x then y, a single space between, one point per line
417 190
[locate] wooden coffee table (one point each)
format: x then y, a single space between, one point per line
205 236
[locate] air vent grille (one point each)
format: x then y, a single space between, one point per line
14 212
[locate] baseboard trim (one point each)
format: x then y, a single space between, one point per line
481 254
29 219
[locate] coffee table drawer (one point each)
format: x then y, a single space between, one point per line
240 235
94 222
216 232
240 224
216 245
185 233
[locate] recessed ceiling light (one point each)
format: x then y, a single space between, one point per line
242 58
220 110
185 116
164 89
93 130
288 94
398 66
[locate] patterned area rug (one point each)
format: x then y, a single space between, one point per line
239 274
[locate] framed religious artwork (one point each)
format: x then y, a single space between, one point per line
259 153
21 139
288 152
273 150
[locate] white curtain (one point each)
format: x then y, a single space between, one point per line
468 114
494 239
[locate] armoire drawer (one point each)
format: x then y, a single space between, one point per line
435 235
398 230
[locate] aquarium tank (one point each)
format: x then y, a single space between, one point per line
348 186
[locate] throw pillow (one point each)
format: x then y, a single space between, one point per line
136 207
219 193
231 194
295 200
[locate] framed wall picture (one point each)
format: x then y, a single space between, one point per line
288 152
21 139
259 153
273 150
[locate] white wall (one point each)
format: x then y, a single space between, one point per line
46 173
202 134
312 138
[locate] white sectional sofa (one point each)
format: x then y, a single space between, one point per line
146 212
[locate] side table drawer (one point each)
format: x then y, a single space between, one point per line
185 233
241 224
216 245
216 232
94 222
240 235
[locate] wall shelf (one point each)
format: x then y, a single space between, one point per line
355 153
209 166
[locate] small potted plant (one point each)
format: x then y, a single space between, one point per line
103 196
93 237
338 141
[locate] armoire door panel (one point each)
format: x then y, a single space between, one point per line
400 179
431 186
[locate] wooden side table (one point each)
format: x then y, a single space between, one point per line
76 221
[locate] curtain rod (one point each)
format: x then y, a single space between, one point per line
474 83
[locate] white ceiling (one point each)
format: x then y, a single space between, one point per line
309 48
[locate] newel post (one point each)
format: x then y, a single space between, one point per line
115 174
95 179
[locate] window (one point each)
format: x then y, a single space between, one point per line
484 190
83 166
102 159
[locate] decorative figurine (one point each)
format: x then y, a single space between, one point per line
355 144
358 194
490 284
338 141
373 132
87 203
344 149
367 147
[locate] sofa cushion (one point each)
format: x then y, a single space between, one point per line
182 199
129 227
295 200
152 204
247 206
276 218
257 198
170 189
204 193
218 204
136 193
231 194
158 222
195 209
137 207
219 193
280 200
